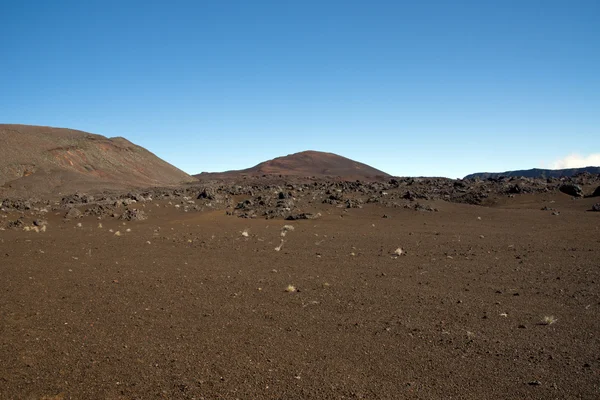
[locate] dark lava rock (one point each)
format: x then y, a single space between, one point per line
420 207
409 195
274 213
596 192
354 203
571 189
99 210
474 198
335 196
207 193
39 222
19 204
247 214
133 215
303 216
136 196
15 224
73 213
596 207
413 195
77 198
246 204
287 204
514 189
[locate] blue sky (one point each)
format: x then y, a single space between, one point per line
413 88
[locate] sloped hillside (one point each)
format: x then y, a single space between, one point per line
37 159
536 173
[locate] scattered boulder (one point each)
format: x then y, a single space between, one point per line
287 203
335 195
460 184
77 198
137 197
596 207
420 207
19 223
413 195
99 210
271 213
295 217
207 193
248 214
18 204
133 215
475 198
353 203
73 213
571 189
514 189
244 205
409 195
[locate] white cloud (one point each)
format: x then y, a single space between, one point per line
577 161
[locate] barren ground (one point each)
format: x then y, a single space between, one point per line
184 306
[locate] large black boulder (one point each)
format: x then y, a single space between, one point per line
571 189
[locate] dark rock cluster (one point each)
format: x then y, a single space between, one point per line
303 198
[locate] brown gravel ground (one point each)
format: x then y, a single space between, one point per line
202 312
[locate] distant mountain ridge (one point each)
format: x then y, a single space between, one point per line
306 164
536 173
41 159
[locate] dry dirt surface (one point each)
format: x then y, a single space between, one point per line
306 163
407 289
44 160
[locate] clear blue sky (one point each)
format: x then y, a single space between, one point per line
413 88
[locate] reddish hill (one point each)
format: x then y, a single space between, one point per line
307 163
42 160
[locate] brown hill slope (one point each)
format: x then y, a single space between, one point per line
307 163
42 160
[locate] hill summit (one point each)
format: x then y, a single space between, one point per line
308 163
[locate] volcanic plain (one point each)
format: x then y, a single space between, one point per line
273 287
